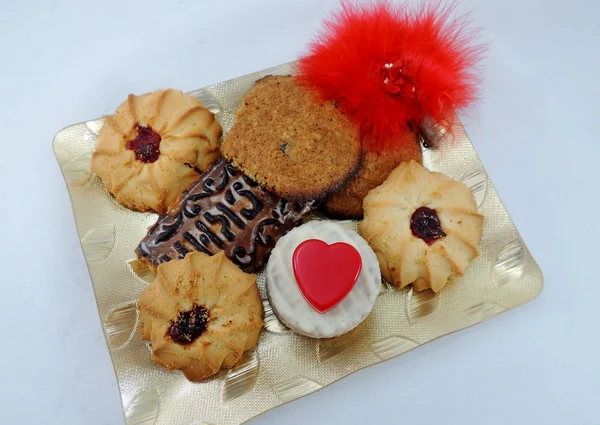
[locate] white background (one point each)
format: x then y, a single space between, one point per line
536 131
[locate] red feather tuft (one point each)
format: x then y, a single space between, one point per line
389 68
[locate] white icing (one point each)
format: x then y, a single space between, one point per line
287 300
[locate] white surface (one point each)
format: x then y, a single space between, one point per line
67 61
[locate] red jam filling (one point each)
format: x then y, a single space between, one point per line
189 325
145 145
425 224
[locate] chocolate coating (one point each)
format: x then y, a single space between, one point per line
223 210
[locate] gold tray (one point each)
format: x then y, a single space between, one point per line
284 366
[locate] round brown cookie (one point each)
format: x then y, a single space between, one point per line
375 168
291 143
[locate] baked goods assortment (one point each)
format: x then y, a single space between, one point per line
340 139
153 147
200 314
423 226
322 279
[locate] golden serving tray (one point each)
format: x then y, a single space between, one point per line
284 366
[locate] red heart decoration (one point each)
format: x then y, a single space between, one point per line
326 273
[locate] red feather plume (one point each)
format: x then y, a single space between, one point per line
389 68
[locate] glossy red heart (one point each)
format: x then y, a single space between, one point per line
326 273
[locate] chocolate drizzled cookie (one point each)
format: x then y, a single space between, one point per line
223 211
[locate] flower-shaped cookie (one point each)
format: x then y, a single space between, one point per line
200 314
423 226
153 148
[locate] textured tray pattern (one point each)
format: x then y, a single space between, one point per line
284 366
